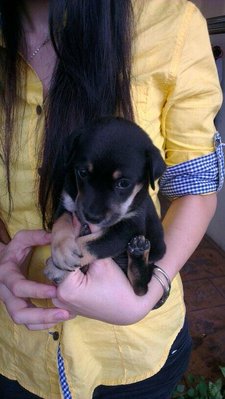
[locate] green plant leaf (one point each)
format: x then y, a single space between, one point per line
214 391
219 384
197 387
191 392
191 379
180 388
203 388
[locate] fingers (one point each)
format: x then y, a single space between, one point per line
22 288
21 245
68 289
30 238
4 292
58 304
2 246
39 317
36 327
15 289
24 312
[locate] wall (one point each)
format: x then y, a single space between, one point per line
214 8
211 8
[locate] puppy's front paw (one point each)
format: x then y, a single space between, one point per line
66 254
139 246
53 273
138 265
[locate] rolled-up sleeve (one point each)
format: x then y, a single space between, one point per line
194 94
194 159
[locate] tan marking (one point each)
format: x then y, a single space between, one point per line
64 248
117 174
68 202
126 205
82 242
64 225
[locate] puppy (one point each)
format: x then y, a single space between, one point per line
109 167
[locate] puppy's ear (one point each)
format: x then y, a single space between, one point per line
155 164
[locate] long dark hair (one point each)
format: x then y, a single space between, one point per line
92 40
10 71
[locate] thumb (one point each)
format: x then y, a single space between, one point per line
73 286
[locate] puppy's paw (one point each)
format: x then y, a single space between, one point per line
139 246
138 264
66 253
53 273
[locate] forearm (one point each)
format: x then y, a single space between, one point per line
185 224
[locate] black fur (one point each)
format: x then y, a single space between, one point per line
105 162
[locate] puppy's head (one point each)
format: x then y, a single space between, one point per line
113 162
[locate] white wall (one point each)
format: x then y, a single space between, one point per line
214 8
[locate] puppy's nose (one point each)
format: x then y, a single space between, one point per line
93 218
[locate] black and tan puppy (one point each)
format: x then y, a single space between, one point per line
109 168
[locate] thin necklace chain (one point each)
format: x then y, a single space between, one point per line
36 51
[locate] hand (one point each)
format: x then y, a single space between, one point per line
15 289
104 293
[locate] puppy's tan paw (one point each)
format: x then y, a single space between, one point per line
66 254
53 273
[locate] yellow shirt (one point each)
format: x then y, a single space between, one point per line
176 96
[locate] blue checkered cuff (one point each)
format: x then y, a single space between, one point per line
62 376
199 176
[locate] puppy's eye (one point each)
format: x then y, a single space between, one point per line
122 184
82 173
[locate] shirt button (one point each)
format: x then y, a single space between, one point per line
55 335
39 109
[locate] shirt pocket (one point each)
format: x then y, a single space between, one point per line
148 98
140 92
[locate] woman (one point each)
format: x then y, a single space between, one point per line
92 59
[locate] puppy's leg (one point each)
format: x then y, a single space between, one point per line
138 271
108 243
65 251
84 242
54 273
154 232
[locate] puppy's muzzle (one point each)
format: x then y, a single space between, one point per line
93 218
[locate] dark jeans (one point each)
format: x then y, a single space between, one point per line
160 386
12 390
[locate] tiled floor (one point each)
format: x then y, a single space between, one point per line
204 290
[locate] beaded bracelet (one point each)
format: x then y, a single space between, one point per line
165 285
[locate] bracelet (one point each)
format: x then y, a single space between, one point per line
165 285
